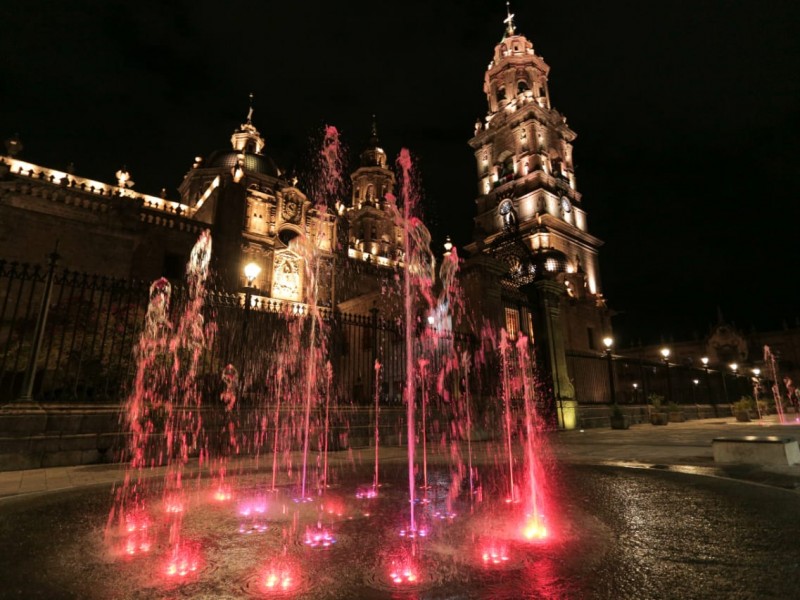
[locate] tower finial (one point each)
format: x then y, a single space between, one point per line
250 112
374 127
509 20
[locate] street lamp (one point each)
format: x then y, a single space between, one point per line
608 342
665 352
636 393
756 387
448 246
735 370
695 383
251 271
711 399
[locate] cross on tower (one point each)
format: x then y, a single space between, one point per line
250 112
509 20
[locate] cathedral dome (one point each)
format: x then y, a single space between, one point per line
253 163
548 263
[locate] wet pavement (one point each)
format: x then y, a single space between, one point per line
684 447
635 514
676 445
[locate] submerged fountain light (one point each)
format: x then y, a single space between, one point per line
444 515
223 493
319 537
366 493
280 578
137 535
494 555
278 581
136 521
404 573
138 543
333 506
534 529
184 561
414 532
173 505
255 527
252 506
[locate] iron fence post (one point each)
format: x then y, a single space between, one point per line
38 332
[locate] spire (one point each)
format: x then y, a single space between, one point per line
250 111
509 20
373 155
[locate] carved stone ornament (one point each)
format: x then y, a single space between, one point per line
291 209
287 277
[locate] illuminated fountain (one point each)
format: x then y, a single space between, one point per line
308 509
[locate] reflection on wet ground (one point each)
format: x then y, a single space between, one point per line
618 533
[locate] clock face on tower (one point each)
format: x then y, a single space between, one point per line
566 206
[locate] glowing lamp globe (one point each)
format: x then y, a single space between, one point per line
251 271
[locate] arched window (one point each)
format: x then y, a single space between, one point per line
522 87
501 94
370 193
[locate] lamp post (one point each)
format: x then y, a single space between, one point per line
735 370
448 246
636 393
608 342
757 386
665 352
251 271
711 398
695 383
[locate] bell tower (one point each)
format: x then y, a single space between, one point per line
527 189
374 237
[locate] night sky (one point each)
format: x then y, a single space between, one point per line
687 114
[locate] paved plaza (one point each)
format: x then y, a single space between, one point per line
684 447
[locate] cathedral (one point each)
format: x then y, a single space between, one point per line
532 266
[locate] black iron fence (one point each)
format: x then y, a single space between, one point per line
87 353
93 324
636 380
